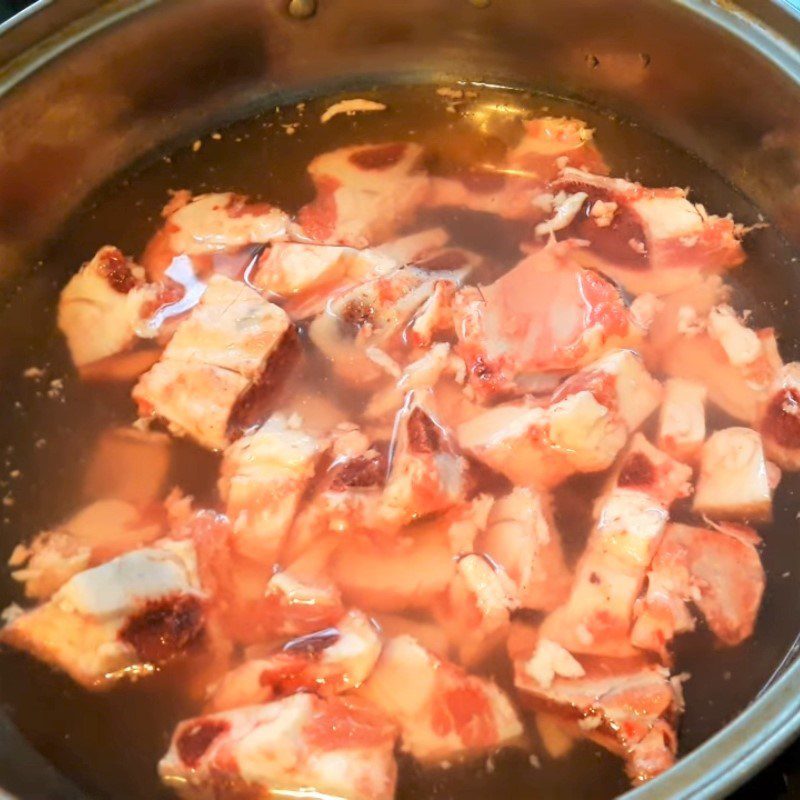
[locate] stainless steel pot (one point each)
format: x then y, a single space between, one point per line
87 87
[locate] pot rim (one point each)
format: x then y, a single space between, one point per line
40 33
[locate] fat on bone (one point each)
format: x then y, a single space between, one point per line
682 421
340 747
233 341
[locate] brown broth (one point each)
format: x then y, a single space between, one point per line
109 743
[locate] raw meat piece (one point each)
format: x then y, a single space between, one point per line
547 315
550 144
365 194
222 364
249 601
734 481
719 571
335 747
361 323
396 574
620 382
443 713
737 365
348 496
476 611
516 188
119 619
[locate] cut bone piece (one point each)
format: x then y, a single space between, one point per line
628 706
682 314
249 600
779 418
735 363
656 240
549 144
734 478
582 430
98 532
682 423
476 613
547 315
365 194
618 381
370 318
129 464
597 617
645 468
347 499
516 188
329 661
304 275
518 440
201 226
521 538
718 570
262 479
101 308
119 619
426 474
443 713
396 574
339 747
221 366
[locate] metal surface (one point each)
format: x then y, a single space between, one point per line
88 87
